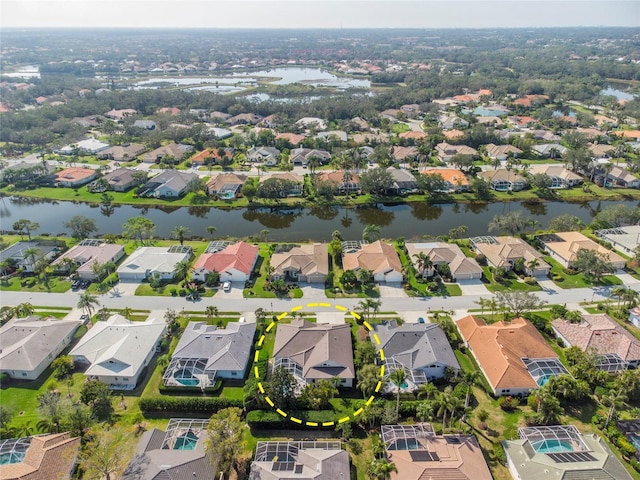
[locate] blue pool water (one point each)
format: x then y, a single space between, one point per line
552 446
186 442
14 457
404 385
544 378
634 438
185 377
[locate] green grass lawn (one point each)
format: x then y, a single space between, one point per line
34 284
509 282
577 280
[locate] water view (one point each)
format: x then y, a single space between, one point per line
407 220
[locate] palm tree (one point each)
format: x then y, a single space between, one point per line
211 311
380 469
211 230
469 379
426 390
630 297
364 276
87 302
398 378
369 305
30 254
482 303
444 405
619 293
371 233
179 232
182 269
424 262
613 400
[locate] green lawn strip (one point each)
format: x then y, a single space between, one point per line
576 280
260 275
509 283
34 284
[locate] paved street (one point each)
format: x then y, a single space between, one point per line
424 304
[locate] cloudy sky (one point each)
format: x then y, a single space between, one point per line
318 14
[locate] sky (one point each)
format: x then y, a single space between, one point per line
318 14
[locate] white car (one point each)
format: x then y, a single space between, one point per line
226 286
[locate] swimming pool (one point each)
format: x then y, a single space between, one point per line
544 378
13 457
634 438
185 377
405 444
552 446
187 441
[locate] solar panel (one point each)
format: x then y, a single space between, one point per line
424 456
282 466
572 457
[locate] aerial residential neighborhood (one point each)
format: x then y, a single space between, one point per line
295 253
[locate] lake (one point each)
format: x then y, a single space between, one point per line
294 224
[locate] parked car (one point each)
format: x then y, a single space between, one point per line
85 283
420 320
226 286
75 285
85 318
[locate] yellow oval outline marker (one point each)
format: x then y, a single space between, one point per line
284 414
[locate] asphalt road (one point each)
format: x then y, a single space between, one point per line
70 299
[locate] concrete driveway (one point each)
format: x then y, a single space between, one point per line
313 291
392 290
123 289
234 293
473 287
412 316
334 318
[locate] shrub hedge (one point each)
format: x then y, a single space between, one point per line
266 419
187 405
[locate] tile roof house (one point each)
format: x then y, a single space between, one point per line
503 180
292 138
117 351
619 177
212 155
401 154
170 183
502 252
145 124
461 266
411 135
600 334
123 153
206 352
47 457
403 181
513 356
122 179
560 176
16 253
147 261
120 115
419 454
421 349
315 351
226 186
304 460
562 452
174 150
564 247
75 176
455 180
600 150
549 150
268 155
502 152
336 135
344 183
307 263
452 122
446 152
245 119
175 454
86 254
378 257
30 344
234 263
24 170
301 156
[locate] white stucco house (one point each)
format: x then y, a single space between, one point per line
148 261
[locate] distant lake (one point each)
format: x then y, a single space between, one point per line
407 220
309 76
619 94
28 71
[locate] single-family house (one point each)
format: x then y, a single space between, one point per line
293 138
206 352
624 239
307 263
634 316
403 181
401 154
564 247
245 119
123 153
315 351
546 135
560 176
562 452
312 123
123 179
412 135
270 121
602 335
219 133
619 177
410 109
454 180
30 344
170 183
344 181
20 254
26 171
168 111
379 258
513 356
461 266
145 124
213 155
300 157
233 261
335 135
390 114
145 262
420 349
118 350
502 152
88 253
503 180
176 453
361 123
268 155
315 460
503 252
121 114
530 100
40 457
219 116
419 454
601 150
549 150
89 145
226 186
294 182
75 176
446 152
173 150
452 122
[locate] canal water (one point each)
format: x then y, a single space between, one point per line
295 224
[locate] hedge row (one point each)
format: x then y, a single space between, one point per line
265 419
187 404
